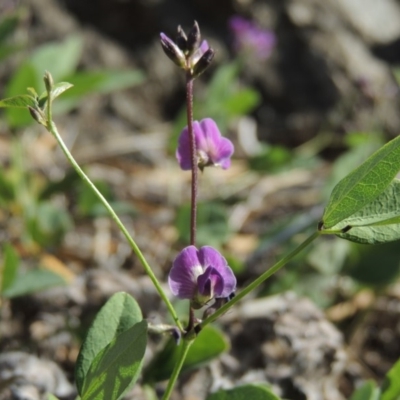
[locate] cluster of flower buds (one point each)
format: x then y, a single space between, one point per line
188 51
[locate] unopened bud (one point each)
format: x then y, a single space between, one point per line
203 63
48 81
181 39
37 115
194 38
172 51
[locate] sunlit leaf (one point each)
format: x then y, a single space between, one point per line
368 391
378 222
363 185
209 344
58 89
391 384
117 367
118 315
245 392
22 101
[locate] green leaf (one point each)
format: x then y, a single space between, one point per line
8 25
51 397
242 102
363 185
245 392
33 281
378 222
368 391
209 344
20 81
118 315
59 58
58 89
10 267
391 384
22 101
116 368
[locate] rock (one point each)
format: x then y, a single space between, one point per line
27 377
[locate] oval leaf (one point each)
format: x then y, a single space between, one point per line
22 101
391 385
368 391
10 267
363 185
245 392
58 89
119 314
378 222
116 368
209 344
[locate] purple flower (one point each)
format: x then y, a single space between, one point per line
248 37
211 147
200 275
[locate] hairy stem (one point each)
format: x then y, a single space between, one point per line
259 280
193 156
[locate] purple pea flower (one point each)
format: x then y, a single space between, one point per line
201 275
211 147
248 37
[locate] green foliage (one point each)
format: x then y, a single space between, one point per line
9 268
368 391
245 392
118 315
33 281
391 385
51 397
116 368
61 59
378 222
209 344
212 224
363 185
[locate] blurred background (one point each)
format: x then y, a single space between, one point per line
305 89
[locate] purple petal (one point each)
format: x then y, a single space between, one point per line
209 257
185 269
199 52
225 151
183 151
210 138
210 283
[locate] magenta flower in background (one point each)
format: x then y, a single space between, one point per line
201 275
211 147
248 37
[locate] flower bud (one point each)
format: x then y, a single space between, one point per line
193 39
181 39
37 115
203 63
172 51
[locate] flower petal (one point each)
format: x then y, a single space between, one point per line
185 269
183 151
209 257
225 151
210 283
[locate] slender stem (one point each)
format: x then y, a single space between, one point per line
193 156
259 280
177 369
53 130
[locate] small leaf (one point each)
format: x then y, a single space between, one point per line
22 101
391 384
51 397
363 185
368 391
119 314
117 367
209 344
10 267
58 89
33 281
378 222
245 392
242 102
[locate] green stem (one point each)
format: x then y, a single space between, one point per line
259 280
177 369
53 130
